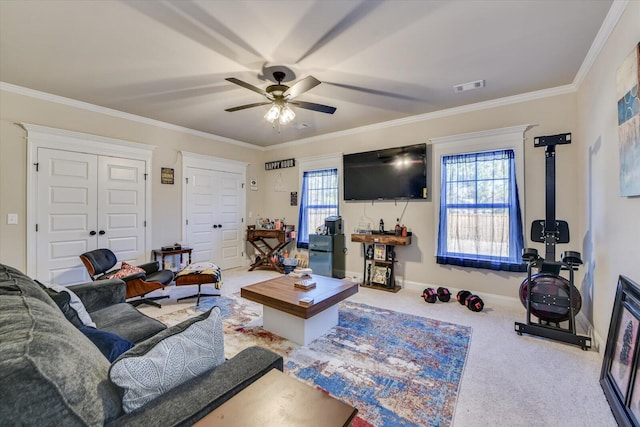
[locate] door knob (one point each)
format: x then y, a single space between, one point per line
215 226
101 232
219 225
92 233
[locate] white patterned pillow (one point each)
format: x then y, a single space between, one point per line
168 359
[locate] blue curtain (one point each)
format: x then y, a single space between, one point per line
480 218
319 199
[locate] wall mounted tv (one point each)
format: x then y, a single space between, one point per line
387 174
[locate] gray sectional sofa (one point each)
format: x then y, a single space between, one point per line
52 374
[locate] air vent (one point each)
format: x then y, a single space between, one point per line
468 86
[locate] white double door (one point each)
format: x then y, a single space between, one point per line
85 202
214 216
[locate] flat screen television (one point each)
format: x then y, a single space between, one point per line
387 174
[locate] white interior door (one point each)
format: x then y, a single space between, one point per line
85 202
121 207
230 219
201 203
214 219
66 214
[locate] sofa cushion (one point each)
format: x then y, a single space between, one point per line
126 321
49 371
75 303
109 344
63 301
14 282
170 358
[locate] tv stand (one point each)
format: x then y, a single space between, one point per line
379 271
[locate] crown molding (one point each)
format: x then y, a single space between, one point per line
8 87
610 21
491 134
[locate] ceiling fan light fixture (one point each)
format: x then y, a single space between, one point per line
273 113
286 115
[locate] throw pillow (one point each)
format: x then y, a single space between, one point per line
126 270
168 359
110 344
75 303
63 301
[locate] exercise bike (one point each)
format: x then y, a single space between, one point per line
547 294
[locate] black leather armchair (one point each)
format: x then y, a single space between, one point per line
99 263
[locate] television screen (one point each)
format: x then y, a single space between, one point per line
388 174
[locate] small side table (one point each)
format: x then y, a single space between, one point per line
164 254
278 399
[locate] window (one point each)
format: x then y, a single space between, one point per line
319 199
480 219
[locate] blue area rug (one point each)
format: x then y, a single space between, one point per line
397 369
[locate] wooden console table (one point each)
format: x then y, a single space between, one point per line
257 237
379 270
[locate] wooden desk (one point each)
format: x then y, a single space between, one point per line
284 316
164 254
277 400
258 239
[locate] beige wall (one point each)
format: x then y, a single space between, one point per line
604 226
610 242
166 215
417 264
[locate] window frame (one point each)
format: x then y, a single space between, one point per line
329 161
478 142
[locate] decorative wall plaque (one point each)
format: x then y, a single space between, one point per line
166 175
280 164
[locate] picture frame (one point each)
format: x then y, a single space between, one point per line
380 252
619 377
627 84
379 275
166 175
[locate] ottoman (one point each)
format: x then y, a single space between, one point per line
200 273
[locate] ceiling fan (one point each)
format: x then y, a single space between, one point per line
281 96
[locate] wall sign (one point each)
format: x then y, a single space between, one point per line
166 176
280 164
294 198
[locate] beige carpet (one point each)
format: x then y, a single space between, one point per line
509 380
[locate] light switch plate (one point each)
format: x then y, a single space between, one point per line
12 218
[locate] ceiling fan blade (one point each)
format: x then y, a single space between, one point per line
302 86
246 85
244 107
315 107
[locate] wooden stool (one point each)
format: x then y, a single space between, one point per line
197 279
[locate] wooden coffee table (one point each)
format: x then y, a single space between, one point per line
277 400
285 316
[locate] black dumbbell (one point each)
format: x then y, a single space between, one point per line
462 296
443 294
474 303
429 295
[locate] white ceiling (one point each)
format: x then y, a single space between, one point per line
378 60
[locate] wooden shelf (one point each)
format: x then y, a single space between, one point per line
385 239
371 264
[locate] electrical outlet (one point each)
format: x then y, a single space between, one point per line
12 218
